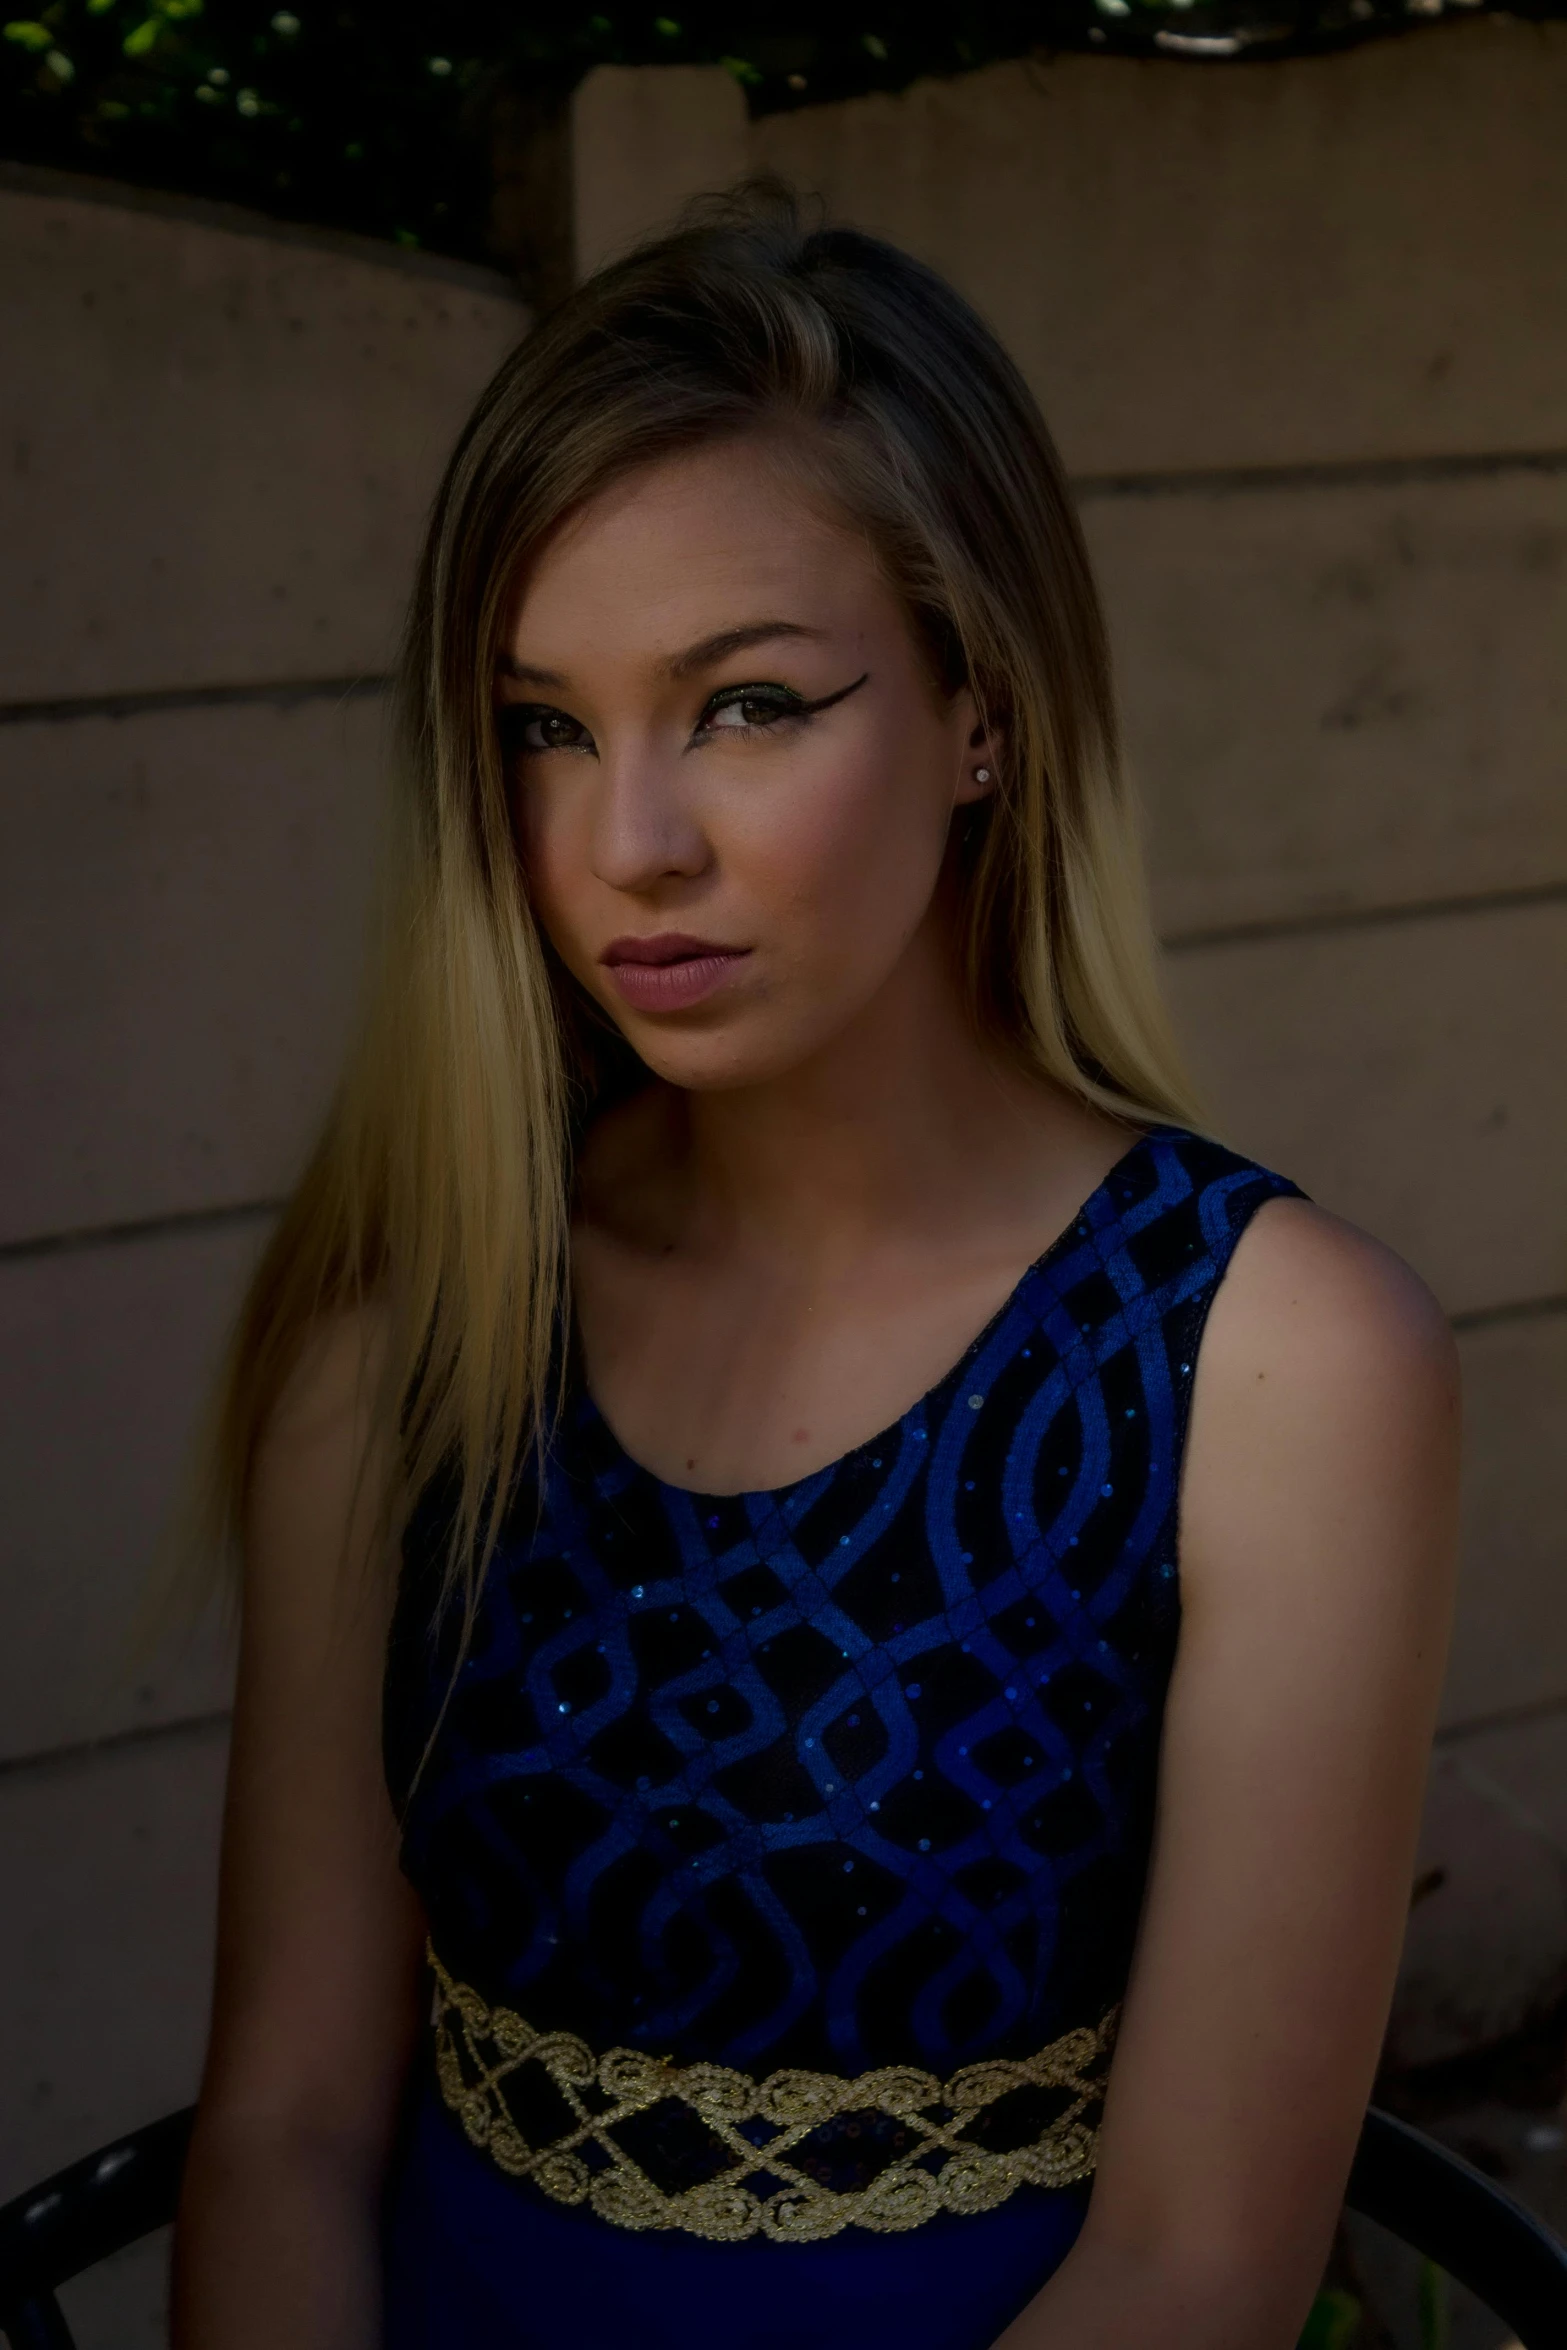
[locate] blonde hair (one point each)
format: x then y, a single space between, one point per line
439 1190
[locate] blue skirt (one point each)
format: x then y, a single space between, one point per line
474 2261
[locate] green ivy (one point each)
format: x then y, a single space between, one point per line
1434 2307
1334 2323
378 115
1338 2320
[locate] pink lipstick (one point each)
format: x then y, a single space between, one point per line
669 971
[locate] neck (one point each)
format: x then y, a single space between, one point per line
905 1120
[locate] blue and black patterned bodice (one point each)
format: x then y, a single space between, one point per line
858 1772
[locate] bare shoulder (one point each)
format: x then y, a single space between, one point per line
328 1397
1325 1411
319 1481
1314 1303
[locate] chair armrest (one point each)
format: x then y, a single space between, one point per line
95 2207
1432 2199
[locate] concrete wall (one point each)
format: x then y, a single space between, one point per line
1301 332
219 439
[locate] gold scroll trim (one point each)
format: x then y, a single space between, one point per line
479 2049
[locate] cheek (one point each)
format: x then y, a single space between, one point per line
852 853
554 868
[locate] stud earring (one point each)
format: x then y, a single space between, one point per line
982 775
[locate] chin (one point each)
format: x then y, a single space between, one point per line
728 1057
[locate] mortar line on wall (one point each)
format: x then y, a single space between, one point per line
79 187
1522 1815
49 1244
17 1766
1261 932
1524 1309
282 693
1199 482
1345 473
1538 1709
187 1220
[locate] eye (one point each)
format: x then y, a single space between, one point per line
737 709
530 727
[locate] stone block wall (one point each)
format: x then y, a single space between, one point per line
220 438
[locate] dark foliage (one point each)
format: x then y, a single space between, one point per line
380 115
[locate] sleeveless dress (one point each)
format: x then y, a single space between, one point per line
783 1852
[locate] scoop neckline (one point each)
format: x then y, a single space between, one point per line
884 1436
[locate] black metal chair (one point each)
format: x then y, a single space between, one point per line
79 2217
1403 2180
1432 2199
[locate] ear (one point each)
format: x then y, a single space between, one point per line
980 762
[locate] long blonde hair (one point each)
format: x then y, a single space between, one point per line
439 1190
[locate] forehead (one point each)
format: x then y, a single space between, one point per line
691 545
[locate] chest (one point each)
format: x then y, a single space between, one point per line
752 1381
831 1773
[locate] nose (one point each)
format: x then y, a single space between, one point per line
645 830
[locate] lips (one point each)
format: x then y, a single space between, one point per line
669 971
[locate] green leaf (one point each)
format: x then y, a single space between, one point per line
99 7
28 35
1436 2311
145 36
742 69
1334 2322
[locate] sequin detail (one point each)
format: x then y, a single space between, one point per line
861 1771
648 2143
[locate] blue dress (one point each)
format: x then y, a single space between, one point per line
783 1852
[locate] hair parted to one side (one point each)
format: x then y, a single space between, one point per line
438 1194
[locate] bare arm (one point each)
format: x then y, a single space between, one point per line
1317 1549
319 1934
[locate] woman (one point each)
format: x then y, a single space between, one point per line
803 1761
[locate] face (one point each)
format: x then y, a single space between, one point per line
732 774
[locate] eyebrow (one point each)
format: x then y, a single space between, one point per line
705 654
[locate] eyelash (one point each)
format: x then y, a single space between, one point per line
516 717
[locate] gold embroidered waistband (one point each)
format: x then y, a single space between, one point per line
648 2143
